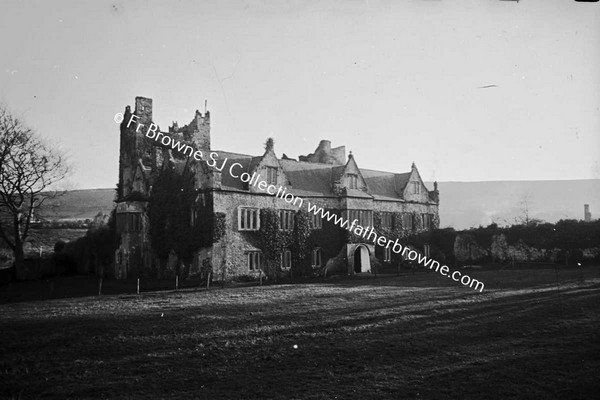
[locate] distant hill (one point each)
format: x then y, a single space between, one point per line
462 204
470 204
79 204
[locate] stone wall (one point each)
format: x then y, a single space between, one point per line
468 250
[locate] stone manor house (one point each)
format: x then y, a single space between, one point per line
395 204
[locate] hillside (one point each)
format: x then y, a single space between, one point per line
79 204
468 204
462 204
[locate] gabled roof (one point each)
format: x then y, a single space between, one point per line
316 179
386 185
309 179
227 181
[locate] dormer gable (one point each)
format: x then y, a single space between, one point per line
268 168
348 180
415 189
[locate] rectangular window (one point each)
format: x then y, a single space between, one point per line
407 221
426 221
352 181
416 186
248 219
387 254
286 260
129 222
254 260
316 257
286 220
364 217
137 222
386 220
272 175
427 250
315 222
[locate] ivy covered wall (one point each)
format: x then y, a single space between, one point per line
181 219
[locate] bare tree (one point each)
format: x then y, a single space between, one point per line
29 167
525 217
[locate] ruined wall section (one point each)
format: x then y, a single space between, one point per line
135 147
324 154
196 132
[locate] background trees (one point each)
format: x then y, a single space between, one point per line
29 167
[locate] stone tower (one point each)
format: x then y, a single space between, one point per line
587 215
196 132
136 152
140 160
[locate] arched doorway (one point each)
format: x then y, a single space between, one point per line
361 260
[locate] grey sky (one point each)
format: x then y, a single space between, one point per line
394 81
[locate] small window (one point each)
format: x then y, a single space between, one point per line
352 181
426 221
386 220
364 217
129 222
286 260
272 175
315 222
316 257
254 260
248 219
407 221
286 220
387 254
416 187
427 250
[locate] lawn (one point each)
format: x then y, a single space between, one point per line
530 334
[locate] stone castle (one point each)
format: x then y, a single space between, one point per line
396 204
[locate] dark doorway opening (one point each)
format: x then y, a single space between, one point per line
357 261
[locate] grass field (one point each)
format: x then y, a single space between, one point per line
530 334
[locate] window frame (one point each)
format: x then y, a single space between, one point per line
364 217
272 175
248 218
386 216
352 181
408 217
317 255
254 260
286 220
315 222
426 218
416 187
129 222
286 258
387 254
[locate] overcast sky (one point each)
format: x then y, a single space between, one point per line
468 90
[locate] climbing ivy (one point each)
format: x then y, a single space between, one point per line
272 241
172 201
330 238
301 248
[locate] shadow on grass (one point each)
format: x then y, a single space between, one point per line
353 340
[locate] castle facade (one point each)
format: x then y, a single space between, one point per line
243 229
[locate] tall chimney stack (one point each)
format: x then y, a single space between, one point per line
587 215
